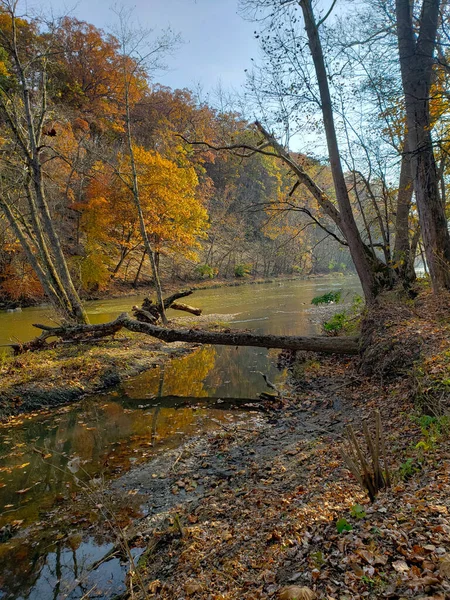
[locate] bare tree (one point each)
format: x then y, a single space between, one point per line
138 55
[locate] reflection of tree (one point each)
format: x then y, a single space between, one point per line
35 567
182 377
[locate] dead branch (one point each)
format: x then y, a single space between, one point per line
365 466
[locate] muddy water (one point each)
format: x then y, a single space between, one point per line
45 460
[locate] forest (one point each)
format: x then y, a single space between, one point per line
97 120
286 434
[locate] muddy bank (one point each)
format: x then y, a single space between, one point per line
58 376
183 476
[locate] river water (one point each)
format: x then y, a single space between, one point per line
44 459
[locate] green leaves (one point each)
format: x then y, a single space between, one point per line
343 525
327 298
358 511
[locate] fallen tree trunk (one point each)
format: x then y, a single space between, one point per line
344 345
329 345
85 333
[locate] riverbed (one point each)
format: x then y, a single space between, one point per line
45 459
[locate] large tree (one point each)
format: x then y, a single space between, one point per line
417 44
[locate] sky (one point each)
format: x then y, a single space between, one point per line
218 43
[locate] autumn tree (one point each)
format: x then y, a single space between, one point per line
24 109
136 54
173 215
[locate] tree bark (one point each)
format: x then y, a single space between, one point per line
24 114
135 184
186 308
416 64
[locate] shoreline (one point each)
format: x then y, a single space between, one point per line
258 504
124 291
267 507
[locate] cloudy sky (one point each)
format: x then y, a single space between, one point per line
218 43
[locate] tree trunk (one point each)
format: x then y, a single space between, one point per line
416 64
349 228
25 114
402 248
135 190
138 272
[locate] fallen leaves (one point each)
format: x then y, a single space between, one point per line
400 566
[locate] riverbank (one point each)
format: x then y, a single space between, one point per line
261 506
250 504
68 372
58 375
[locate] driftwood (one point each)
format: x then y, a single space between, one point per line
186 308
150 312
344 345
78 333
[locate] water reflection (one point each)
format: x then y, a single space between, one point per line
61 570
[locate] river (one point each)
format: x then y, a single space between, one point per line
44 459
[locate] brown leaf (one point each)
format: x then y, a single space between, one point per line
154 586
400 566
367 556
192 587
444 568
294 592
24 491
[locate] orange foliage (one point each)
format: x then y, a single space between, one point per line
20 282
174 215
89 74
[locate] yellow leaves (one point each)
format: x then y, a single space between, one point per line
3 69
174 214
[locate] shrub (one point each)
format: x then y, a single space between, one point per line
327 298
242 270
346 321
206 271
